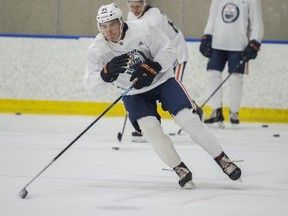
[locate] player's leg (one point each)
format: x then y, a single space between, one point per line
184 112
215 67
145 119
235 85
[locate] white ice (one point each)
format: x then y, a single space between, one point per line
90 179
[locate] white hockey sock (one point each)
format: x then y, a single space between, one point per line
198 132
160 142
215 79
236 89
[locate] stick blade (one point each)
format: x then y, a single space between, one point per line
23 193
119 136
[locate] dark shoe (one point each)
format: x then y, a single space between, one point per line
137 137
185 176
216 116
234 118
228 167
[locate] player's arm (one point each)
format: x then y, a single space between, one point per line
161 49
98 73
206 40
92 79
256 31
256 21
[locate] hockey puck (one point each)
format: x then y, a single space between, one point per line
265 126
172 134
276 135
115 148
18 113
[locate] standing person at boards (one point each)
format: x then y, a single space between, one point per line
232 35
140 10
124 52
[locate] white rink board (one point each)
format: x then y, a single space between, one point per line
53 69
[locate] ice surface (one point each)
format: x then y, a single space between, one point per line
91 179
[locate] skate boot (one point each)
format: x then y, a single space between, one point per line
185 176
137 137
228 167
234 118
216 117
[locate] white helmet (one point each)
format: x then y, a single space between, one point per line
107 13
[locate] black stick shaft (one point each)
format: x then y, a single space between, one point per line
81 134
213 93
124 126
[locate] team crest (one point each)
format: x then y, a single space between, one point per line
135 61
230 13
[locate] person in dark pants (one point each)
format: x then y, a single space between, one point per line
232 35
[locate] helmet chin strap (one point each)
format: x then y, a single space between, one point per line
121 30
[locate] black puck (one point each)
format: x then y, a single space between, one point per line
265 126
115 148
276 135
18 113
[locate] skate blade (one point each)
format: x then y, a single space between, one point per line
235 126
139 140
221 125
189 185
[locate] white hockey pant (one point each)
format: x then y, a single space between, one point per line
236 90
198 132
160 142
235 86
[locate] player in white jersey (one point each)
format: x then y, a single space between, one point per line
124 51
232 34
140 10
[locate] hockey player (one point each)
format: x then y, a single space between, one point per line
225 40
125 51
139 9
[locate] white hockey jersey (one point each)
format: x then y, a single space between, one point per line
232 23
157 18
151 41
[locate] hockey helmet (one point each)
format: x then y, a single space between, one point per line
107 13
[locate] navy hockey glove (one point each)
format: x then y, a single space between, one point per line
146 73
251 50
206 45
111 70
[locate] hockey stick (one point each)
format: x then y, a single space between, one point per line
23 193
120 134
222 83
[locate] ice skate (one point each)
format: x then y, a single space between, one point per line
228 167
216 117
234 119
137 137
185 176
